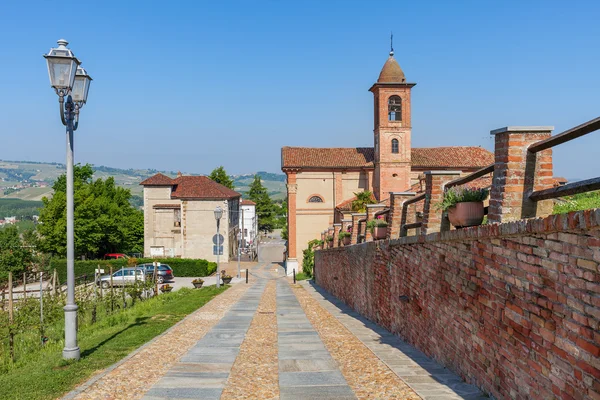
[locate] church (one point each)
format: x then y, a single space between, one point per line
321 182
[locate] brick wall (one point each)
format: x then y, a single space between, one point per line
513 308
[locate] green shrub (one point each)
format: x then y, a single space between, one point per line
181 266
578 202
344 235
456 195
329 238
376 223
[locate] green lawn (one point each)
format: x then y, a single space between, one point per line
301 276
42 374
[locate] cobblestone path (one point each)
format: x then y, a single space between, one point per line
272 339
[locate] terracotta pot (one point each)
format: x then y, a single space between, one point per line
227 281
380 232
330 244
197 285
466 214
347 240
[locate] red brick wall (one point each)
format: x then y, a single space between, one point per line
513 308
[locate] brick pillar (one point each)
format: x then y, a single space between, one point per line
292 259
370 180
397 200
434 189
337 188
355 218
336 234
329 232
518 172
371 210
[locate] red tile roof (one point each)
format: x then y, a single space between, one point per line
157 180
361 157
200 187
248 203
192 187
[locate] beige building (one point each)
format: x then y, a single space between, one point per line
179 218
321 182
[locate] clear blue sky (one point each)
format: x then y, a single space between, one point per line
190 85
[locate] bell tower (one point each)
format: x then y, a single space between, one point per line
392 128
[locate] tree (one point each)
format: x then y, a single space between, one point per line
362 199
264 206
219 175
105 221
15 255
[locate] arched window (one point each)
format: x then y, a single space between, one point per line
395 146
395 108
315 199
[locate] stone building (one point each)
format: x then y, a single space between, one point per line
248 223
179 217
321 182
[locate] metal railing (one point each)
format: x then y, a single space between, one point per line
404 227
569 189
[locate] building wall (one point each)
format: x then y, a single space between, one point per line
249 227
159 229
513 308
199 228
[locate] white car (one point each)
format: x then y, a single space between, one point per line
124 276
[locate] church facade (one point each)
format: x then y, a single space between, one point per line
322 182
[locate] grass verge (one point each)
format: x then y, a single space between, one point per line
301 276
45 375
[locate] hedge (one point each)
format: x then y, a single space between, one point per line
181 266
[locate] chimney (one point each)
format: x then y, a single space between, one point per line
179 174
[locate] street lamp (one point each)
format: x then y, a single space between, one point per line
71 81
239 237
218 215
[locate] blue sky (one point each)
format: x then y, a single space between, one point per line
190 85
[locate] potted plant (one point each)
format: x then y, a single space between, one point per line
329 240
197 283
226 278
166 288
345 237
378 228
464 206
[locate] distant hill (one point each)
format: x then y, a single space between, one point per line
29 180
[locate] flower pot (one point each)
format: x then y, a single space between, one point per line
380 232
197 285
347 240
166 290
466 214
330 244
227 281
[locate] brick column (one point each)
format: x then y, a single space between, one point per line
434 189
337 188
397 200
371 210
518 172
336 234
292 259
355 218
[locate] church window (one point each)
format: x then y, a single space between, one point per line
395 146
395 108
315 199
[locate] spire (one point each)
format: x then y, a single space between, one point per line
392 44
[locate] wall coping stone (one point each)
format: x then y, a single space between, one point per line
575 220
340 224
522 129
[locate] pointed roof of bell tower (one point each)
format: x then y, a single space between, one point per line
391 71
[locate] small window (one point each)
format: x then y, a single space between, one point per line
177 217
395 108
395 146
315 199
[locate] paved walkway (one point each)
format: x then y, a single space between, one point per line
308 361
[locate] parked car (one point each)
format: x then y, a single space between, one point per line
114 256
123 277
164 272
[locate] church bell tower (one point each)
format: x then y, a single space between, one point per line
392 129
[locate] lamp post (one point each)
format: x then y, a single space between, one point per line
239 236
218 215
71 81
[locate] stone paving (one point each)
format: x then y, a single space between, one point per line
313 358
426 377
